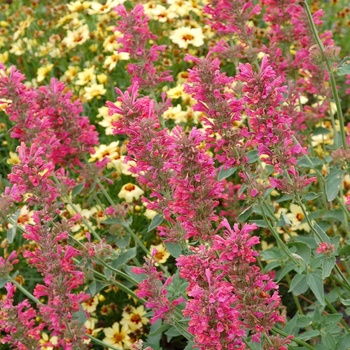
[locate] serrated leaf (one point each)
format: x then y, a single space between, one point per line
320 131
298 285
171 333
259 223
309 335
189 346
345 302
304 162
252 156
156 221
80 316
314 281
246 213
343 67
11 233
112 221
328 340
124 257
333 183
174 249
343 343
94 288
311 196
3 281
327 266
108 273
225 173
77 189
302 249
135 276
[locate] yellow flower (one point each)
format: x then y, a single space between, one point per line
180 7
102 78
296 216
117 337
86 76
76 37
25 217
70 74
110 151
44 71
159 13
90 325
91 304
133 318
130 192
45 339
94 90
175 113
97 8
111 61
14 159
4 57
78 6
162 254
185 36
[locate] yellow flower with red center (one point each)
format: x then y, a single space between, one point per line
130 192
118 337
133 317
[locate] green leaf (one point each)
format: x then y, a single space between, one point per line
343 343
333 183
304 162
343 67
135 276
172 333
322 234
108 273
252 156
94 288
124 257
80 316
112 221
291 325
328 340
246 213
284 198
311 196
327 266
284 220
345 302
298 285
11 233
3 281
225 173
189 346
335 214
314 281
77 189
302 249
320 131
156 221
174 249
309 335
259 223
155 334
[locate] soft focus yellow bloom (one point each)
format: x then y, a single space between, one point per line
102 78
70 74
14 159
117 337
78 6
94 90
43 72
86 76
296 216
91 304
76 37
130 192
111 61
185 36
162 254
98 8
4 56
90 325
134 318
110 151
45 339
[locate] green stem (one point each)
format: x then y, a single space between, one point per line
100 342
67 200
296 300
24 291
296 340
331 75
342 321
